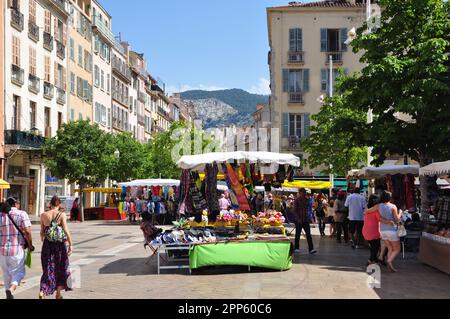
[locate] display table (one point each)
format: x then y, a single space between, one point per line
435 254
102 213
275 255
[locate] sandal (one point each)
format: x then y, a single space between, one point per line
391 267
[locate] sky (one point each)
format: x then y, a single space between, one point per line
199 44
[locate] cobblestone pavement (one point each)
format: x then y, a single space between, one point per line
114 265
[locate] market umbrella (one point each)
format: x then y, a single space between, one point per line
4 184
439 168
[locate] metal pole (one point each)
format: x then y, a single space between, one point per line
331 95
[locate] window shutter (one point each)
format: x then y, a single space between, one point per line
48 22
307 125
292 39
285 124
56 75
55 30
299 40
343 36
64 79
323 40
285 80
306 80
323 80
64 34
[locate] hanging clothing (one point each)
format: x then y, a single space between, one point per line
211 188
409 191
237 188
198 201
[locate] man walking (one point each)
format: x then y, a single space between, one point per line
14 226
302 221
356 204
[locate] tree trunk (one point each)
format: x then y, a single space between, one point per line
427 184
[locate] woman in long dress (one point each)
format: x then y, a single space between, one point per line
55 254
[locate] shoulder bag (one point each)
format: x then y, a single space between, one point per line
27 244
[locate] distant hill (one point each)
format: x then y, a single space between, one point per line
225 107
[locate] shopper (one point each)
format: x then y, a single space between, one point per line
320 213
259 203
391 241
75 211
356 204
330 215
15 236
341 213
132 211
371 229
224 204
55 254
302 221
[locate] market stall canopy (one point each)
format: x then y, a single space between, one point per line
439 169
151 182
4 184
307 184
100 190
374 172
197 162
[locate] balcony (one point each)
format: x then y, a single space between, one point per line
17 19
33 31
141 119
296 98
163 113
61 6
17 75
141 97
34 84
48 41
121 69
60 96
295 143
23 139
337 58
48 90
60 50
296 57
100 26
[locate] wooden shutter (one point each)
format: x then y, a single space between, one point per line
306 80
16 50
48 22
32 11
64 79
299 40
56 75
47 69
64 34
32 61
343 37
292 39
285 124
285 80
306 125
323 40
55 30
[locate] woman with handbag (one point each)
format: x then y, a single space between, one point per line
389 231
55 255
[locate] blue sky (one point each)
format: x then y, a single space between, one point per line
199 44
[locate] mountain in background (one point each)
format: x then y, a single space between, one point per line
224 107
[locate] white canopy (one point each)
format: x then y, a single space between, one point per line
150 182
439 168
374 172
197 162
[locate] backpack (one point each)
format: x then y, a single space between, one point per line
55 233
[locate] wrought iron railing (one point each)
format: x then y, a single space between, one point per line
17 19
48 41
33 31
17 75
34 83
48 90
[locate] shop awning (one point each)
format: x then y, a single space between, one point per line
439 169
374 172
100 190
307 184
4 184
151 182
197 162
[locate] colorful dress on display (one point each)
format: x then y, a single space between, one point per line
237 188
55 266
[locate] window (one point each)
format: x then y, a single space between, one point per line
333 40
17 113
72 115
60 120
47 117
96 43
72 49
295 80
32 114
108 83
16 50
96 76
72 83
32 61
79 87
80 55
47 69
325 79
296 125
295 40
102 85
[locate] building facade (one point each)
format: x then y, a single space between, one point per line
35 98
302 38
102 42
2 90
80 61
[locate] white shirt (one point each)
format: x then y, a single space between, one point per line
356 204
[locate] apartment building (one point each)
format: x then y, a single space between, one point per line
302 38
179 109
102 42
2 89
140 77
80 61
120 86
35 98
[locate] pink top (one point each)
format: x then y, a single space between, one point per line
371 229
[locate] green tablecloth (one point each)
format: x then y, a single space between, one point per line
271 255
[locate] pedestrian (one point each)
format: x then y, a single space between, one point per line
259 203
141 207
356 204
389 235
320 213
132 211
74 212
302 221
223 202
15 236
269 204
329 213
55 253
341 213
371 229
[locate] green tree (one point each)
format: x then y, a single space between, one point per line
130 164
407 73
81 153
